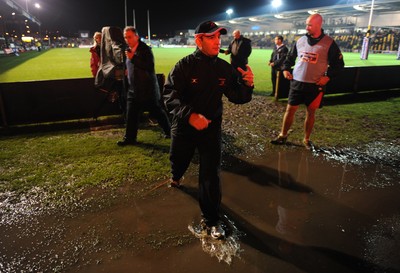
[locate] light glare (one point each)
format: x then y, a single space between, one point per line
276 3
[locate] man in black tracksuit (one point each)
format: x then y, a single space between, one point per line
193 95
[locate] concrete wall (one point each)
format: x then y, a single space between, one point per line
47 101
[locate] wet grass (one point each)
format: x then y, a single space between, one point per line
72 160
361 122
62 160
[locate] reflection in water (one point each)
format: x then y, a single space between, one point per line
319 203
379 164
225 249
293 212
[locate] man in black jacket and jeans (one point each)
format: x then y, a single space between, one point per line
143 91
240 50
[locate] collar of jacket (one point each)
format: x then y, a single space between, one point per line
313 41
200 55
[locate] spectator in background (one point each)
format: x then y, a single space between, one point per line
275 62
193 95
320 60
240 50
143 89
39 46
95 53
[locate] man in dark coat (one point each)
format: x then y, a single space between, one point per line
240 50
143 91
278 56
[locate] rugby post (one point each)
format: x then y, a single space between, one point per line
367 38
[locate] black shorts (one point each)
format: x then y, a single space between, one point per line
303 93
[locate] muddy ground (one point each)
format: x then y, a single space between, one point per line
287 209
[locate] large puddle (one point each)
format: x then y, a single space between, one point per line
292 210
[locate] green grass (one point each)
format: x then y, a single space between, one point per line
76 159
69 63
62 63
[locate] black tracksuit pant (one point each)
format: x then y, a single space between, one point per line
208 145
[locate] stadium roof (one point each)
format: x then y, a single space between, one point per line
9 6
298 17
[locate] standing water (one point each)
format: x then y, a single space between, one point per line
294 210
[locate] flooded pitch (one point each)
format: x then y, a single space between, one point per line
293 210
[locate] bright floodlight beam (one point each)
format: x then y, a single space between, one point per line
228 12
276 3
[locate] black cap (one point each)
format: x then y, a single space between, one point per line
209 28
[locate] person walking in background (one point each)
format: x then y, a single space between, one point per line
143 89
275 62
39 46
240 50
319 60
193 95
95 53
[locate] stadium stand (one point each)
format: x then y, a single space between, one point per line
347 23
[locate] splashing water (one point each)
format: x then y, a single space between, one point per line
226 249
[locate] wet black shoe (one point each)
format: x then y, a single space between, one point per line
279 140
308 144
175 184
126 142
216 232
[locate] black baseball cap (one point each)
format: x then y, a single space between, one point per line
209 28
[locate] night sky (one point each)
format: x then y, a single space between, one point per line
166 17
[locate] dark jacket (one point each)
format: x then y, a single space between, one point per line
240 56
142 78
278 56
197 83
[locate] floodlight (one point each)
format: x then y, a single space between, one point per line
276 3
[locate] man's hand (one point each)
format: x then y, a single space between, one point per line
287 75
198 121
129 54
247 76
